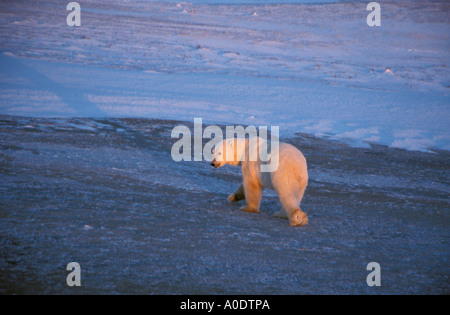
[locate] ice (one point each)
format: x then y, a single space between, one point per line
307 66
302 62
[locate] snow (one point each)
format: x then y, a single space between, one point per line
106 193
307 66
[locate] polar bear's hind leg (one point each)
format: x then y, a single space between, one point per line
298 218
290 200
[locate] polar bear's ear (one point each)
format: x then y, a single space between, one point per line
213 151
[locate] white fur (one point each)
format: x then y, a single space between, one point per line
289 180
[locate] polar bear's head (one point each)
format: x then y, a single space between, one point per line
233 152
228 151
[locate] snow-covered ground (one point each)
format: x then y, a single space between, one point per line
306 66
105 193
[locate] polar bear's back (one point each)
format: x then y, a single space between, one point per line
290 154
292 167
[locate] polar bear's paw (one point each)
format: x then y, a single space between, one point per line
249 209
234 197
298 218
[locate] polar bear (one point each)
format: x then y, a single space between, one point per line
289 180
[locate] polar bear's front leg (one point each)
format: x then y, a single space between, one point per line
238 195
253 195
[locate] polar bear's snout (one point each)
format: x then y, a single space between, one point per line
213 163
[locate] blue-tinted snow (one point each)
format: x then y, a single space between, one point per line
314 69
